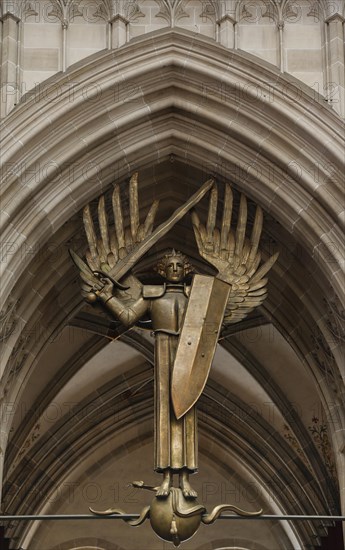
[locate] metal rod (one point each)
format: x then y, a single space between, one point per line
67 517
136 516
287 517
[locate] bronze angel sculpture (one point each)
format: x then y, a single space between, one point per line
186 318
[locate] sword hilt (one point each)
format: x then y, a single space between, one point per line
106 276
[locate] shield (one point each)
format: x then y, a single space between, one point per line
198 340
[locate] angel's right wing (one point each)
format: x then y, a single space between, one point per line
112 243
115 242
114 250
91 282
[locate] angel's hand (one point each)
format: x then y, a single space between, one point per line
107 290
96 286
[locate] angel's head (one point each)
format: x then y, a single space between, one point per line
174 266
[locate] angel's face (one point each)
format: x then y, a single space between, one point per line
174 270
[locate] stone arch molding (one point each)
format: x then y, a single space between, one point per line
265 120
69 139
170 96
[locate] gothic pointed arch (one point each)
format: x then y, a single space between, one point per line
191 112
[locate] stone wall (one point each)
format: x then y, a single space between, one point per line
282 148
301 37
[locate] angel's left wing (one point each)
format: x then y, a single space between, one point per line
236 257
245 297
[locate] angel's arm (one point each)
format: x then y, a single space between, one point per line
108 248
127 313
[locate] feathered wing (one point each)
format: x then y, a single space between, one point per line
245 297
113 250
236 256
112 243
90 282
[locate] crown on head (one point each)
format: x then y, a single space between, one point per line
163 262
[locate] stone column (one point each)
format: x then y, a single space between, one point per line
336 62
119 25
9 62
227 31
64 60
280 26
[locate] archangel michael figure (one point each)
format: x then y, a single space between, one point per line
186 318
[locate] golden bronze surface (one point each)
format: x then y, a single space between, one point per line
186 322
198 341
176 519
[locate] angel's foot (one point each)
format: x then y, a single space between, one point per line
164 489
186 487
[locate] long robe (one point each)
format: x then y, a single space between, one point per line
175 440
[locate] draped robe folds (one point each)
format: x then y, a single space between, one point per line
175 440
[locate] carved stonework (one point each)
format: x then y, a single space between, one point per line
335 320
17 360
295 444
327 364
246 14
29 10
278 12
172 10
270 12
133 11
65 10
252 12
315 10
30 440
285 12
291 11
210 10
8 321
319 434
128 9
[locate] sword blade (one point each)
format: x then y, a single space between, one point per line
80 263
124 265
